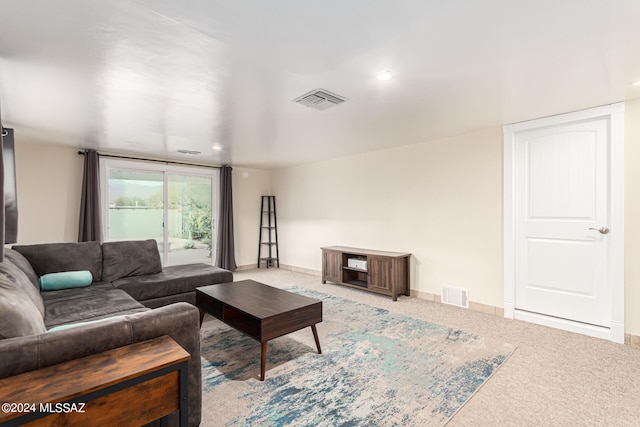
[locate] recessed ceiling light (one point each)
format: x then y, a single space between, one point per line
637 83
384 75
216 147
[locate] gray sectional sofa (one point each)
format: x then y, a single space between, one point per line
131 298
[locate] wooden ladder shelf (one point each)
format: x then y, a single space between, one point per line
268 240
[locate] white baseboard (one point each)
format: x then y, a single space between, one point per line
571 326
301 270
284 267
246 267
614 334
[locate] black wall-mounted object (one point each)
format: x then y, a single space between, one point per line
10 187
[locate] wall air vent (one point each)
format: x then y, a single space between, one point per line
320 99
192 152
455 296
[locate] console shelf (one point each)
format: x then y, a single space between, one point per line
354 269
385 273
358 283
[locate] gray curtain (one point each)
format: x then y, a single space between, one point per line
225 256
90 225
1 195
10 188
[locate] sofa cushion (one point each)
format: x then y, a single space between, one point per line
21 262
94 302
19 317
84 323
173 280
18 314
18 280
129 259
189 297
56 257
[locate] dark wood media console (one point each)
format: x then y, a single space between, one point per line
375 271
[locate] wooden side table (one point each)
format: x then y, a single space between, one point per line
127 386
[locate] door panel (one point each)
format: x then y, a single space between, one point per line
561 192
562 175
380 273
333 266
574 278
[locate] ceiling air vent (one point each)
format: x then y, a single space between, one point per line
192 152
319 99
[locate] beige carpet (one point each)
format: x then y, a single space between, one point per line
554 378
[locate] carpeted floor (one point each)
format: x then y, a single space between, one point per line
553 378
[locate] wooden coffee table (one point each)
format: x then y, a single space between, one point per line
260 311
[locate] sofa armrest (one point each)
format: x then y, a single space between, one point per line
180 321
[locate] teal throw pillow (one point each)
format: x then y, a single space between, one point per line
65 280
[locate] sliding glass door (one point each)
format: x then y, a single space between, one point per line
176 206
190 222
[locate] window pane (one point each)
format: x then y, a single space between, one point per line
135 206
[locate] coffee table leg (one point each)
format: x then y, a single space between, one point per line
202 313
263 360
315 336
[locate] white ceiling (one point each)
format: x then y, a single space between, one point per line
150 77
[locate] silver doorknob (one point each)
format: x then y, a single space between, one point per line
602 230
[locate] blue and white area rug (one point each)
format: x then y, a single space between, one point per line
377 368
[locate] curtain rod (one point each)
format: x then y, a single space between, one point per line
166 162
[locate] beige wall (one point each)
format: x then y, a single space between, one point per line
441 201
248 186
49 181
632 217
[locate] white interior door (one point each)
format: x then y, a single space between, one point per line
561 203
564 222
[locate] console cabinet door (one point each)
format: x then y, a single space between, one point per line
332 266
380 274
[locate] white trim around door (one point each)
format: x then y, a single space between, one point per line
614 329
